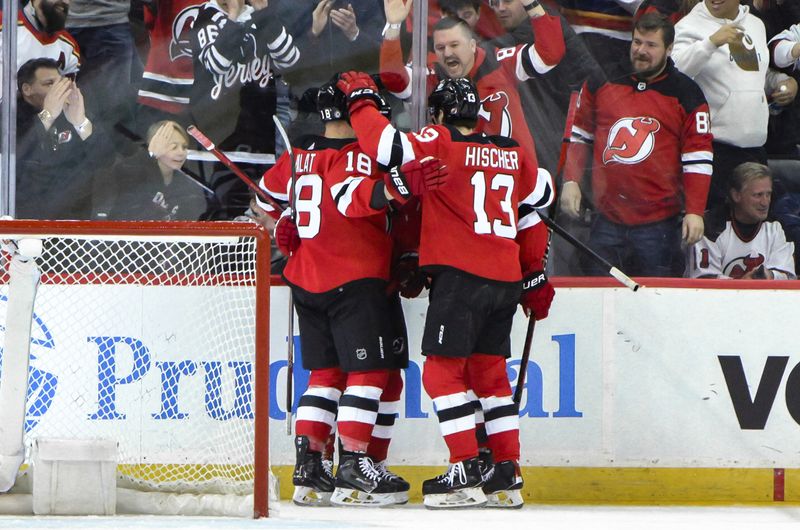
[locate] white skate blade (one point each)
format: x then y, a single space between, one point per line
463 498
305 496
351 497
504 499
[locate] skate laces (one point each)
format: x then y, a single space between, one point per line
455 470
367 467
381 468
327 467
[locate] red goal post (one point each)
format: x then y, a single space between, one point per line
176 314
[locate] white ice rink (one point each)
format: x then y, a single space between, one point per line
534 517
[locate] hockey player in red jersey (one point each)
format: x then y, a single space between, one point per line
482 243
352 335
496 72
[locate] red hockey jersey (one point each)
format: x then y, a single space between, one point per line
496 73
167 79
651 146
334 249
480 221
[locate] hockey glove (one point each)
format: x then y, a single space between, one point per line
407 279
415 177
286 235
537 295
360 90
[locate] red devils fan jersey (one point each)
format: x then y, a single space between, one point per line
475 222
167 79
334 249
651 146
496 73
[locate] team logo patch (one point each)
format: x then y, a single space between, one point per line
398 345
180 44
740 266
494 110
361 354
631 140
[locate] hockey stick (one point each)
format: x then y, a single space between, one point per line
620 276
562 157
209 146
290 332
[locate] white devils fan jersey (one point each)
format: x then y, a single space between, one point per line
334 249
473 221
727 251
652 153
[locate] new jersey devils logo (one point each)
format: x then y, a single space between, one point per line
180 45
740 266
494 110
631 140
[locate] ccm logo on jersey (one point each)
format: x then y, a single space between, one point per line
631 140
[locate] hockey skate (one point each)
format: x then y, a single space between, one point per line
485 462
459 487
312 478
401 496
504 485
360 483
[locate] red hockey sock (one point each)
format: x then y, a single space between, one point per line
487 374
358 408
444 379
387 412
317 409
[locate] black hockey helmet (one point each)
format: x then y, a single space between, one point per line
332 103
456 98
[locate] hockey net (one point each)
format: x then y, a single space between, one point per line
153 335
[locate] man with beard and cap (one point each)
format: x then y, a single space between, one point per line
723 47
41 34
650 131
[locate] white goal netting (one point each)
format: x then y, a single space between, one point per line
150 340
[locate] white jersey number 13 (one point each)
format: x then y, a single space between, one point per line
500 227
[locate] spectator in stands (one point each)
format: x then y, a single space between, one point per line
236 48
604 25
495 72
651 157
783 134
467 10
150 185
672 9
166 86
739 241
55 143
40 33
723 48
332 36
103 32
546 98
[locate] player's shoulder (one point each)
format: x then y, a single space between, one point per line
315 142
496 140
